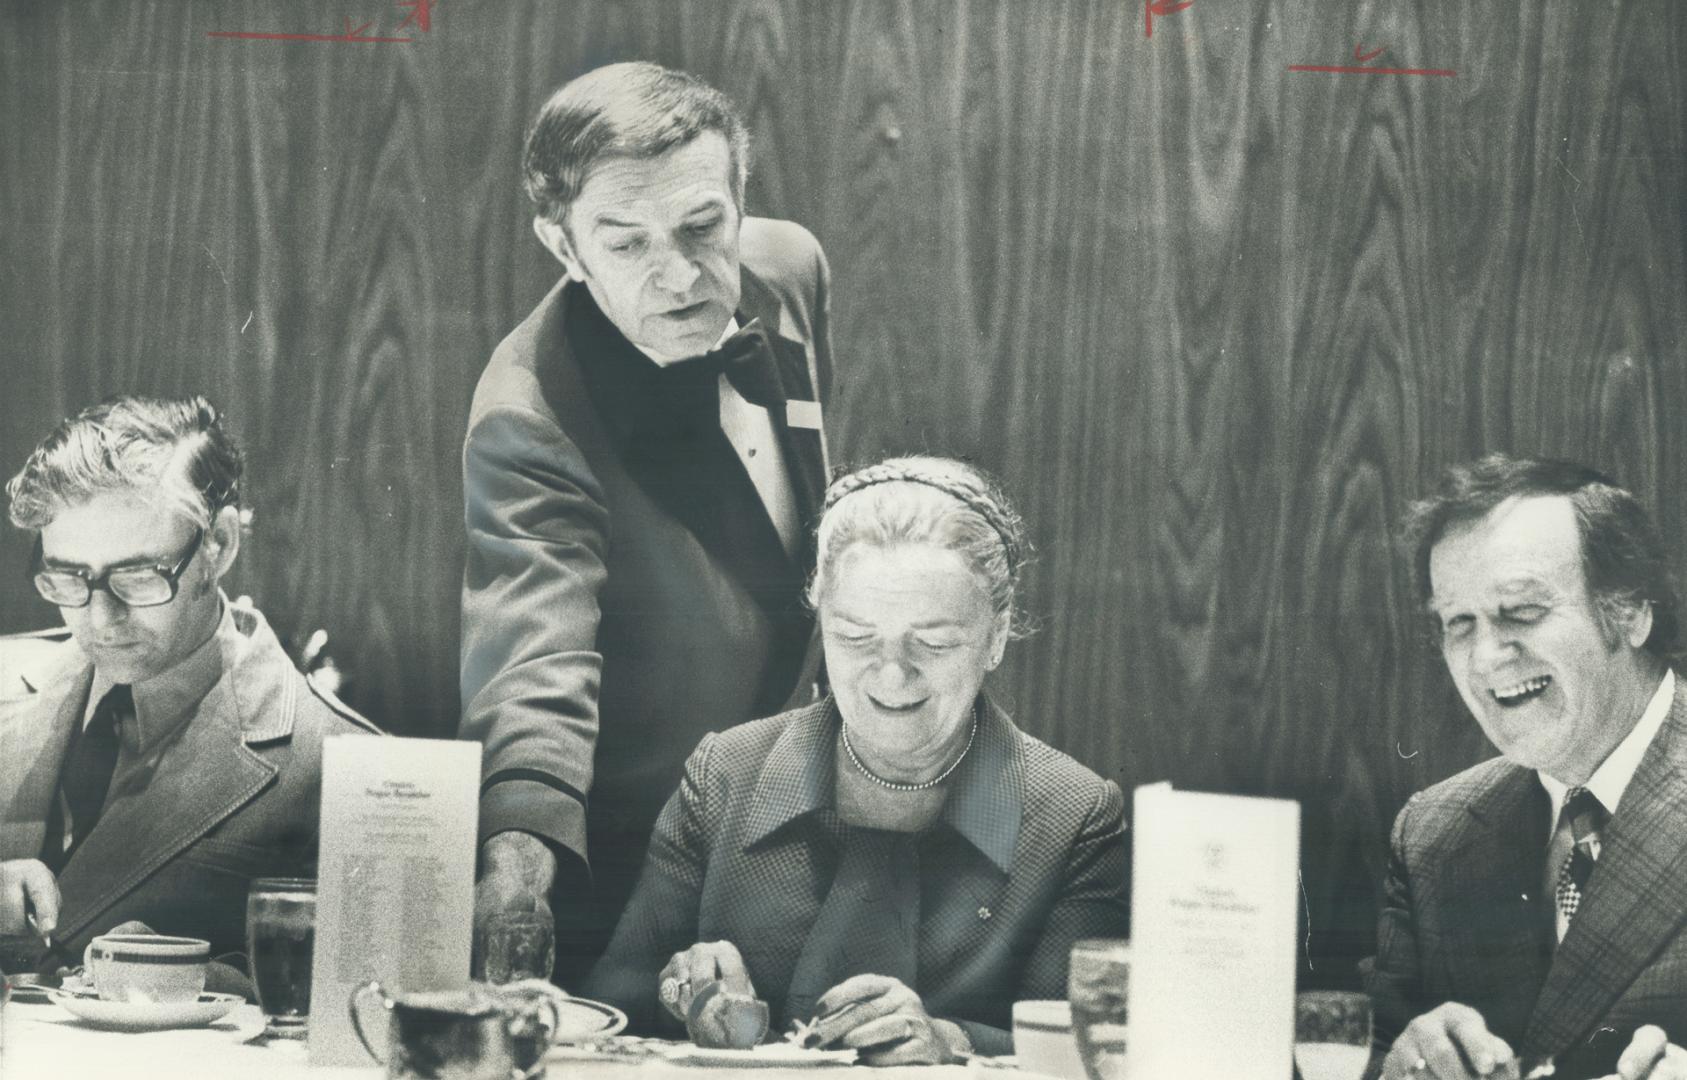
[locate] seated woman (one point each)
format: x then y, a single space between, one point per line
898 860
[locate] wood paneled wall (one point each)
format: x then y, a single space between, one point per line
1211 320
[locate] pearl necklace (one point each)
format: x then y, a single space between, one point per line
897 785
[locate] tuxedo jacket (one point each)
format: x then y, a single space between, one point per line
1464 917
608 621
231 796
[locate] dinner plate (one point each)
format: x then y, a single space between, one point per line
765 1056
145 1016
582 1018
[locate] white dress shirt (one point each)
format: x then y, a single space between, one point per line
1607 783
749 428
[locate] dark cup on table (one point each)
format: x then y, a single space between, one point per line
280 935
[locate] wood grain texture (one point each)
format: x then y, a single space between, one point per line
1213 322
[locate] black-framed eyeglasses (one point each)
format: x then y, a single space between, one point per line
136 586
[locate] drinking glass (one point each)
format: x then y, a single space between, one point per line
1096 985
1332 1034
280 933
519 945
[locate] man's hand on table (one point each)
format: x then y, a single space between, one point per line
1450 1042
27 881
517 870
1651 1056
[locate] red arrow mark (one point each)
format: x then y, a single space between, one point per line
1360 55
421 14
1152 8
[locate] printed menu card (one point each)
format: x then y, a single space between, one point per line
395 877
1214 886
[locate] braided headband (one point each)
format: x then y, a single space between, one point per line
962 491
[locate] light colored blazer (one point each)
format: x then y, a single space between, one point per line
1464 920
233 796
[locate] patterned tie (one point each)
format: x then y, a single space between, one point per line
1586 817
86 777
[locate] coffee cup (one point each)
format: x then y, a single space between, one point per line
1043 1041
147 968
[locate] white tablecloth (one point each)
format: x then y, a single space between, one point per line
45 1041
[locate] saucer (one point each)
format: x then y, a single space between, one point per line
145 1016
582 1019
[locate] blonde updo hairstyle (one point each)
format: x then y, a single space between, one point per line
926 500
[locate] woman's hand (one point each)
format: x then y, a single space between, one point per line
886 1023
687 972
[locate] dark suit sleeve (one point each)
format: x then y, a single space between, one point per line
1392 977
662 917
1093 902
538 535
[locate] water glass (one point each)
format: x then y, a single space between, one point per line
280 934
1096 985
1332 1034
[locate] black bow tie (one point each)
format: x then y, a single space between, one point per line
745 358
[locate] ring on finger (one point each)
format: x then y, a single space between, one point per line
1420 1065
671 989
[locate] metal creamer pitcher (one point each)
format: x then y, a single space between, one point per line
480 1032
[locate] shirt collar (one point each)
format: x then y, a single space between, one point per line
1610 780
986 794
167 699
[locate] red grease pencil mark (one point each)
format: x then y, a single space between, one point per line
1363 57
1151 8
421 14
1369 70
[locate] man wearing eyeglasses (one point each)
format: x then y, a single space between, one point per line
174 754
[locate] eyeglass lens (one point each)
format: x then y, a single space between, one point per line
140 587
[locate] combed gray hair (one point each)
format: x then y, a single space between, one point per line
173 450
633 109
926 500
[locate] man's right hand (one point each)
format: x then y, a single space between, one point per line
1450 1042
28 880
516 873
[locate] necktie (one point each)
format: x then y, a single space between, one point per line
1586 816
869 922
86 777
746 359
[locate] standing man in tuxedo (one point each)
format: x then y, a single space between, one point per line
643 458
1536 904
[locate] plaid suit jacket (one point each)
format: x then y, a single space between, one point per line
1464 920
1027 858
